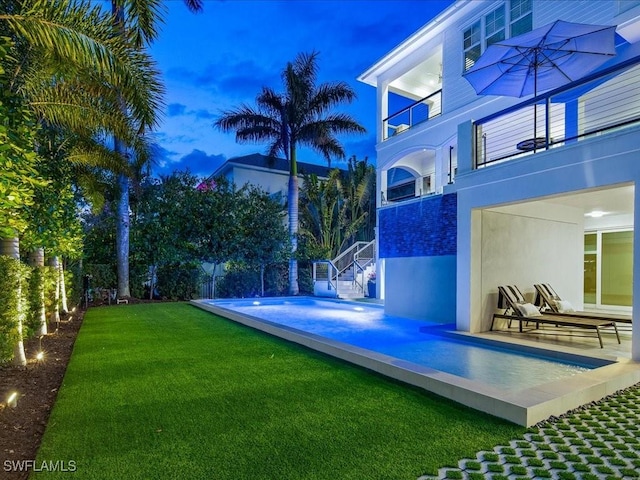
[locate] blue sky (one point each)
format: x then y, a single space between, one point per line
222 57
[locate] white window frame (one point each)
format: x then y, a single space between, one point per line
483 23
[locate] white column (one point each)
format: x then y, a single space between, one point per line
635 336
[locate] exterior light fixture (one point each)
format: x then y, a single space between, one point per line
40 355
12 400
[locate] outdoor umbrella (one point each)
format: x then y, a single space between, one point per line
544 58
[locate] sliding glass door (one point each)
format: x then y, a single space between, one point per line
608 268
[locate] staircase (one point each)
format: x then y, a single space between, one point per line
346 275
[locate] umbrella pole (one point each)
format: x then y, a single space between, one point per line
535 103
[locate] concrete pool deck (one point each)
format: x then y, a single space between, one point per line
524 407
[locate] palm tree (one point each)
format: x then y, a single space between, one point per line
301 115
336 210
138 20
60 65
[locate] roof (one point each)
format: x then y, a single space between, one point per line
260 162
415 41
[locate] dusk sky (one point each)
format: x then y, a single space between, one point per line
222 57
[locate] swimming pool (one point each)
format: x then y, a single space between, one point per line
424 343
521 383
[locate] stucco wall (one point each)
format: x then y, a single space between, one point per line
421 287
524 249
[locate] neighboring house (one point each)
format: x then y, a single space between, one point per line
465 205
270 174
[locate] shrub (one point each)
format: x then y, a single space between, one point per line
179 281
102 275
35 289
239 282
13 275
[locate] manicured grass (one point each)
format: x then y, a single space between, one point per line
168 391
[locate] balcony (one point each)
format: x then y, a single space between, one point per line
600 103
418 112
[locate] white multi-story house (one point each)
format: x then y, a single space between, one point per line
467 204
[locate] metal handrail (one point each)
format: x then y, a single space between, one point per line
354 259
330 267
495 132
409 111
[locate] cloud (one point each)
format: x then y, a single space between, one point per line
176 109
180 110
233 78
197 162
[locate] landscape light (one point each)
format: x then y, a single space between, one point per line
40 355
12 400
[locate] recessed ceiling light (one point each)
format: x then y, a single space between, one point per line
595 214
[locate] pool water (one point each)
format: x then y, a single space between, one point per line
420 342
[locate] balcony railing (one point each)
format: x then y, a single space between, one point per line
599 103
418 112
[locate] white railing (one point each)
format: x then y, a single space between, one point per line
599 103
327 274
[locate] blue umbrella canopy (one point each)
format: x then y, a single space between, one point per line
542 59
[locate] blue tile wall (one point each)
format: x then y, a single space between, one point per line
426 228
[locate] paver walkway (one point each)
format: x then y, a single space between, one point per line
598 441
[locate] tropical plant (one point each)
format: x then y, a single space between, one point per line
340 209
300 116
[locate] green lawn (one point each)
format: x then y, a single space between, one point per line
168 391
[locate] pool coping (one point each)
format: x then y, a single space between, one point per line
524 407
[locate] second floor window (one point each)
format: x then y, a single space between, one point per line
492 28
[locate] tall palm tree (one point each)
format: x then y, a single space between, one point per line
137 20
301 115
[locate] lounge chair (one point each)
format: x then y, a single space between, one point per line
546 297
510 298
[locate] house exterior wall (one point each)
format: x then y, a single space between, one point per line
270 182
596 163
417 242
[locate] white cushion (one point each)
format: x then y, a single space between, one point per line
528 310
564 306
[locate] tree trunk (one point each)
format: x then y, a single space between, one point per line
63 291
55 314
293 232
152 283
122 218
36 261
122 237
11 248
262 280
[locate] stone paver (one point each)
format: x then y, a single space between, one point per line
599 441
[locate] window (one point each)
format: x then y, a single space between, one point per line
521 17
624 5
492 28
472 45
